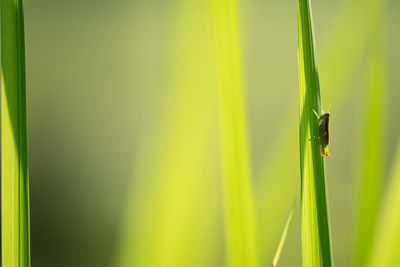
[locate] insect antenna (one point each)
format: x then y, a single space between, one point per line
330 105
316 114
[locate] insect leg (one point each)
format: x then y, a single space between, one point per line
316 114
312 137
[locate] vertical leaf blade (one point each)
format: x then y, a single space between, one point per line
172 215
314 214
387 242
14 160
238 202
283 239
371 162
341 52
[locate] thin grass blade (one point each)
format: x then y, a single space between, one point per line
283 238
341 52
314 213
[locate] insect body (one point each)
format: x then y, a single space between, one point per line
323 135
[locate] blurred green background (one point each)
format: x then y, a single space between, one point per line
123 127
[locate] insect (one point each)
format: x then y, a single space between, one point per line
323 136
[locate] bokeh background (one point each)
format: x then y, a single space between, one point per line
123 126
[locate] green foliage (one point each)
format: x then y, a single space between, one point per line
174 187
386 245
314 214
238 202
14 159
371 147
341 51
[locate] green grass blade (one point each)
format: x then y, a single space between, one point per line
14 159
341 51
283 239
387 243
314 214
173 216
238 202
371 147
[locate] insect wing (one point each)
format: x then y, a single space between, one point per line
324 134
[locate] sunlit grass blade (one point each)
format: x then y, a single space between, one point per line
283 238
314 214
237 191
341 52
371 146
14 159
386 245
172 217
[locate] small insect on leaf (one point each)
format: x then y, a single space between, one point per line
323 135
